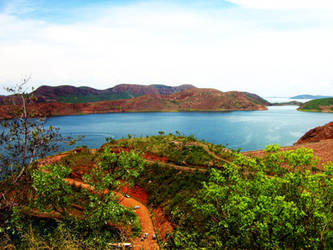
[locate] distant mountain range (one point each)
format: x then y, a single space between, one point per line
309 97
70 94
69 100
294 103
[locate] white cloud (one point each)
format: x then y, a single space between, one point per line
225 49
285 4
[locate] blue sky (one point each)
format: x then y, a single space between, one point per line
70 10
269 47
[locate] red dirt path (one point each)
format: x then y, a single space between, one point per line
137 192
142 212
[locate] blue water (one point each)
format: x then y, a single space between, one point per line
248 130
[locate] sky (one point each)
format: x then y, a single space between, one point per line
268 47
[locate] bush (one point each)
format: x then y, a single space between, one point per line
243 207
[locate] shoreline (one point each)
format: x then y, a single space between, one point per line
59 114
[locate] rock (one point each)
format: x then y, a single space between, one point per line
317 134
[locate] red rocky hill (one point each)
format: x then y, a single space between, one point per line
317 134
194 99
71 94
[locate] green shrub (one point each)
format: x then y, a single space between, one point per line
250 209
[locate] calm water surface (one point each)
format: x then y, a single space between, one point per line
248 130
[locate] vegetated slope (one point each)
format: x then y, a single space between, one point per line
177 150
71 94
8 100
317 134
217 198
257 99
194 99
318 105
81 162
237 202
309 97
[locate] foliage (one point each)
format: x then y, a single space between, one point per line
241 206
96 98
50 234
101 206
180 149
315 105
90 211
280 201
25 138
52 190
168 187
125 166
79 157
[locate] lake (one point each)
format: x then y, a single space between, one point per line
248 130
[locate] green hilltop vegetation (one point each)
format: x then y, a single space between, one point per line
214 197
318 105
96 98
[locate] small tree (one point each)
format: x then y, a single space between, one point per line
90 208
24 136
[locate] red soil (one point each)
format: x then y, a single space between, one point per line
147 155
317 134
163 226
189 99
142 212
136 192
153 157
119 150
140 197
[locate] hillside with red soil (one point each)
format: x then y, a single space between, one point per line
165 194
140 198
317 134
194 99
69 94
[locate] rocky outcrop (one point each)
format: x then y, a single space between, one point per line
317 134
